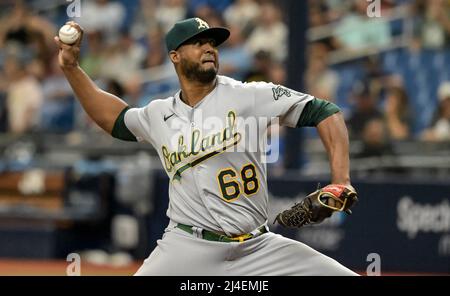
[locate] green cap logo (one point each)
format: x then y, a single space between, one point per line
201 23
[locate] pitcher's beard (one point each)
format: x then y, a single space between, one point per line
194 72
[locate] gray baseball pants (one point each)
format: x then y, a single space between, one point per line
180 253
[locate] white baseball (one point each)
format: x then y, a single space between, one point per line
68 34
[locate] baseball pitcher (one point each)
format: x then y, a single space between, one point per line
218 195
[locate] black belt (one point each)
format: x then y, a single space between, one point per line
212 236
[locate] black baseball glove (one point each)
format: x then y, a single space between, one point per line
319 205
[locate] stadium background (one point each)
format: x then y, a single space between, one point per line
67 187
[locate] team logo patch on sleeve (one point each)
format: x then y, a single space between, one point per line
280 91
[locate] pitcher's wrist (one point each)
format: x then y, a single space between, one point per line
70 67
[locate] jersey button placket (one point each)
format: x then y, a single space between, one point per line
192 119
196 125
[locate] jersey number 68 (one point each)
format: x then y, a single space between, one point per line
230 185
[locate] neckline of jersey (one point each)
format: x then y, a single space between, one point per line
205 98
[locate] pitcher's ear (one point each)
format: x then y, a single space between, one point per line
174 56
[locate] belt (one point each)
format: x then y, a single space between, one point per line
216 237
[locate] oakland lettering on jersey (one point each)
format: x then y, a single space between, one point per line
211 144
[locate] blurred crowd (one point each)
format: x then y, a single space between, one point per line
123 39
383 103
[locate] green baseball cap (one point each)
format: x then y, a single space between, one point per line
184 30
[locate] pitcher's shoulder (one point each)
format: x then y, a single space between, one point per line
233 83
160 103
157 106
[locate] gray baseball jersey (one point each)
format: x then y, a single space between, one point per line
216 168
